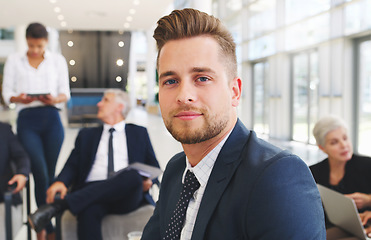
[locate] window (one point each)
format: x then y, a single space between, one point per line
364 96
6 34
299 9
311 31
357 17
263 17
305 95
261 97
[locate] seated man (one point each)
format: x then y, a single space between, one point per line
96 189
11 150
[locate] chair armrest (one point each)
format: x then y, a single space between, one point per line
8 196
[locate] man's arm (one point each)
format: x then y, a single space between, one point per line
285 203
19 156
70 170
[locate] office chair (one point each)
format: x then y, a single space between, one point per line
8 202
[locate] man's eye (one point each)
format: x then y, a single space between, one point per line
203 79
169 82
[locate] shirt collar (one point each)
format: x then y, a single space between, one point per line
118 126
206 164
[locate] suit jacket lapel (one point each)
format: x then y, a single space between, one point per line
129 142
97 134
175 188
224 169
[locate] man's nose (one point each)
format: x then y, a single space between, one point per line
187 93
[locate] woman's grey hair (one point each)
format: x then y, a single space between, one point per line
121 97
326 125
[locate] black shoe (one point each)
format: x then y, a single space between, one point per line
39 219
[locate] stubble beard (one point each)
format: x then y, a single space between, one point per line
186 134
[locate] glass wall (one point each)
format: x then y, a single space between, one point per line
261 97
305 95
364 93
312 68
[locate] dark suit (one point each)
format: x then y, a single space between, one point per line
11 151
120 194
255 191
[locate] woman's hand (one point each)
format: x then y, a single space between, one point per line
50 100
22 98
361 200
365 216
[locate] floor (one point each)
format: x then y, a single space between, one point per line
163 143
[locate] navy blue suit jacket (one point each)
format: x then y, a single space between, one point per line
11 150
255 191
81 159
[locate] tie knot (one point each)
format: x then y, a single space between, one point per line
191 182
111 130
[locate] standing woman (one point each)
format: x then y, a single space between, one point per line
39 125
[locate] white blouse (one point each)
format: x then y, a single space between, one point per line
51 76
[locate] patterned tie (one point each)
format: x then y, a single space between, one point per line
110 168
177 220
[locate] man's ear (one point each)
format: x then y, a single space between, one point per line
120 107
236 87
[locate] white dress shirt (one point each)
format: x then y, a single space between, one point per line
120 153
202 172
51 76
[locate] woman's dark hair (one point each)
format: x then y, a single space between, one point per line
36 30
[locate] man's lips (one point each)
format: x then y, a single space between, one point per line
187 115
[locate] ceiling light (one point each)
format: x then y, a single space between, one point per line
132 11
63 24
121 32
118 79
72 62
60 17
70 43
73 79
129 18
126 25
136 2
120 62
121 44
52 1
57 9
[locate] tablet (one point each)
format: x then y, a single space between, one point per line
37 94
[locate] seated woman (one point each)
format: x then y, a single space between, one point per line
342 170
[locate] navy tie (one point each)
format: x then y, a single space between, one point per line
111 169
175 226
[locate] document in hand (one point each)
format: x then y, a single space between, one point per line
146 170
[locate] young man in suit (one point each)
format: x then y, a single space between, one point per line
246 188
95 191
12 152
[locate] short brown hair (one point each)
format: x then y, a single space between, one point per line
190 22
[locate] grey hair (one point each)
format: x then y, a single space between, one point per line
326 125
121 97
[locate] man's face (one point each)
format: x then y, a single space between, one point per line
108 107
197 96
